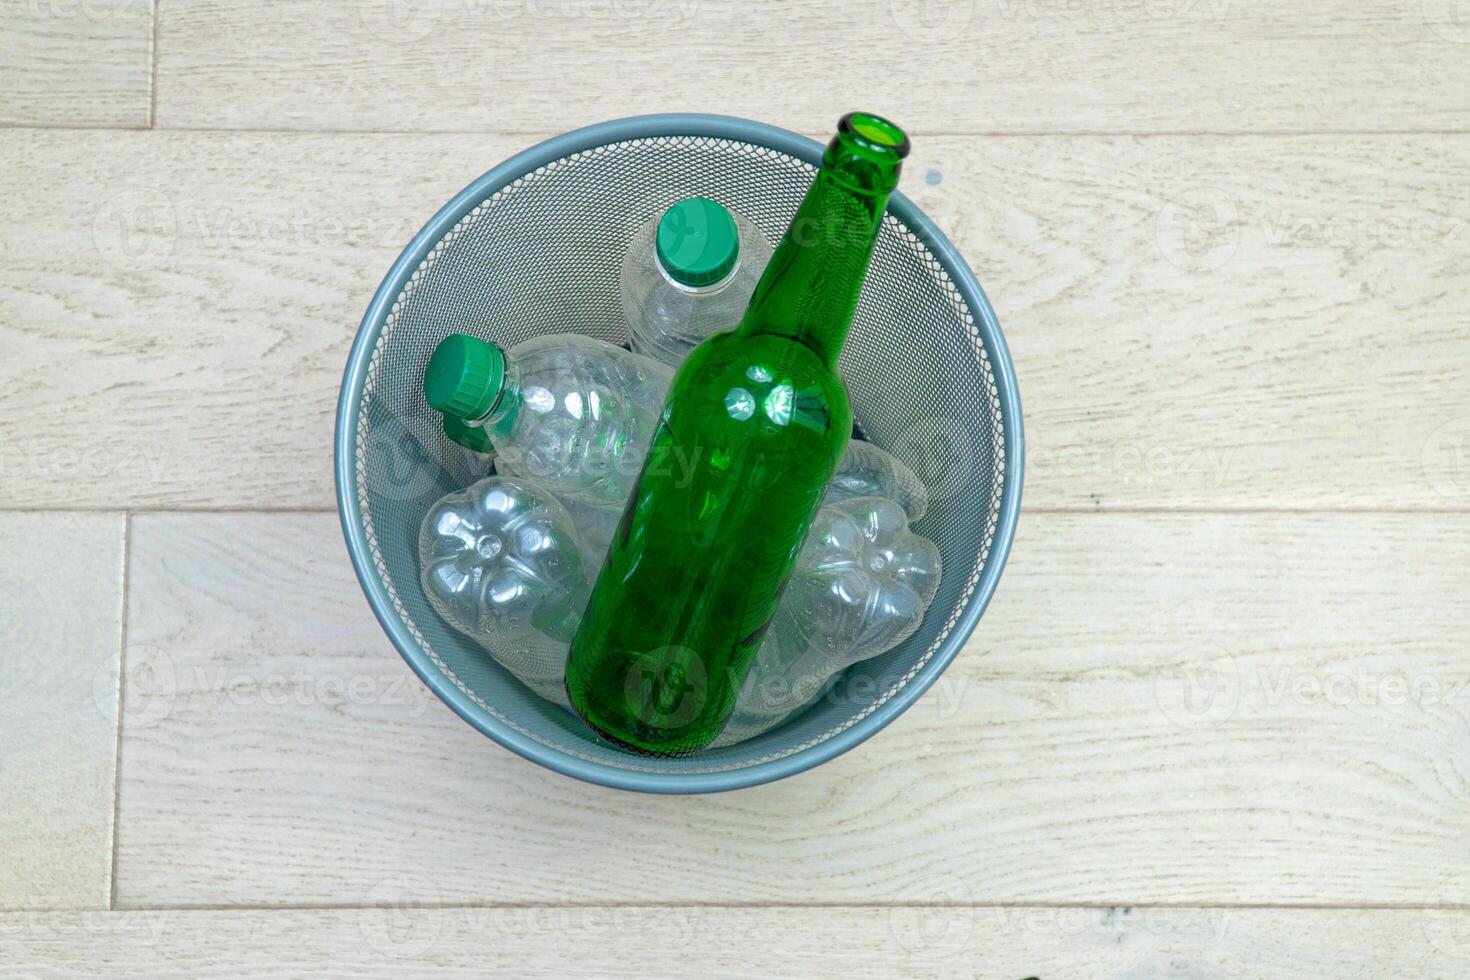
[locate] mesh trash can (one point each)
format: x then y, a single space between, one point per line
535 246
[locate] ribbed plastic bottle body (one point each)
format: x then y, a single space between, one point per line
502 562
577 416
867 471
861 587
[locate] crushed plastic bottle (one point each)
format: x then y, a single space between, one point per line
688 274
861 587
503 563
573 413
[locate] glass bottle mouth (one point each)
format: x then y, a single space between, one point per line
875 133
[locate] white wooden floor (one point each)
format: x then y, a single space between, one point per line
1216 722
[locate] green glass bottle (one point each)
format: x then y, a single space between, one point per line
754 425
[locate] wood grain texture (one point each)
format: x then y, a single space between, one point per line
1197 322
60 603
76 63
963 67
1227 709
201 294
807 943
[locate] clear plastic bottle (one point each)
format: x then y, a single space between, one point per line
570 412
689 274
867 471
508 565
861 587
503 563
564 452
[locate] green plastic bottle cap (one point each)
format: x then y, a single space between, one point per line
469 436
464 376
697 242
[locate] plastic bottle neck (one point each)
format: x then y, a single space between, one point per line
502 414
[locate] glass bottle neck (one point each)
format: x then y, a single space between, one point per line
810 288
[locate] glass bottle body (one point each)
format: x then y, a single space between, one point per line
751 434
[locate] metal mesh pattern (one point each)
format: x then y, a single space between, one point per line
543 254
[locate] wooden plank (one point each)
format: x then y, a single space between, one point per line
1197 322
1002 66
1177 709
1226 323
76 63
60 603
809 943
200 304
